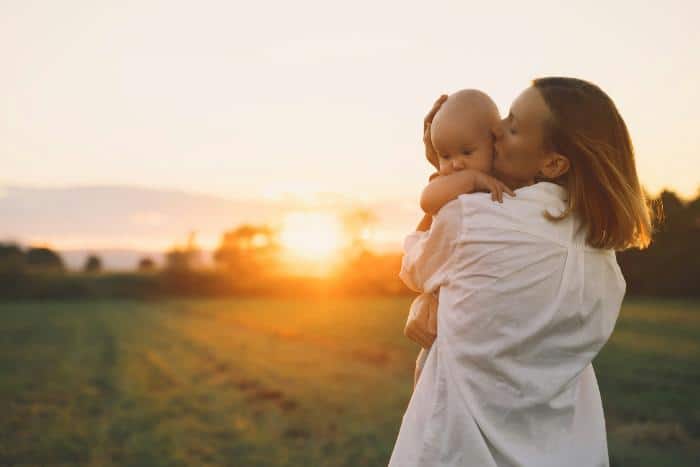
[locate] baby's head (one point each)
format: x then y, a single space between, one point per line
461 132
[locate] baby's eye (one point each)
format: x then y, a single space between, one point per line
512 130
466 153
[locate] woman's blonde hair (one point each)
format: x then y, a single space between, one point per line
604 190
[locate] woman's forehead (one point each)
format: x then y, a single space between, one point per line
529 107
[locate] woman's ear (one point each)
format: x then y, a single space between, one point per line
554 165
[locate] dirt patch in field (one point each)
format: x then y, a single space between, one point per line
296 433
659 433
287 405
266 395
247 384
372 355
163 377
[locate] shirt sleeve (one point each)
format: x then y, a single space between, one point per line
425 265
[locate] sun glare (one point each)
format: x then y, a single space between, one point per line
311 236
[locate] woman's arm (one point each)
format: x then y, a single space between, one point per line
427 254
445 188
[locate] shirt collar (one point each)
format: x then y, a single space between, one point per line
548 189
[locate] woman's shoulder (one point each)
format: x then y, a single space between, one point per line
543 193
536 197
525 212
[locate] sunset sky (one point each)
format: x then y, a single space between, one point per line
246 100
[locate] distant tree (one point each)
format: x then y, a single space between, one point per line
44 259
146 264
93 264
357 225
671 264
183 258
670 208
694 210
248 249
12 258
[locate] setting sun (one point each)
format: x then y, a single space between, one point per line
311 236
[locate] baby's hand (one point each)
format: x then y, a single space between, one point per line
488 183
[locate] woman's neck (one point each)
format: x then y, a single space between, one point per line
515 184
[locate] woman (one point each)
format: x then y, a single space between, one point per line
529 290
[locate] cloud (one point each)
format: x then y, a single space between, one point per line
147 218
109 216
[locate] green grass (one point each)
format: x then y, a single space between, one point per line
263 382
649 378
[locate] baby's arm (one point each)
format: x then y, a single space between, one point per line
445 188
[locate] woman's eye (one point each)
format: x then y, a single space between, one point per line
445 156
466 153
512 130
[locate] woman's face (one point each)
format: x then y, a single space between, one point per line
519 140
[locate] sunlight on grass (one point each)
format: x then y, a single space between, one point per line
285 382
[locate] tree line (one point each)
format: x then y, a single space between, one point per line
670 266
247 262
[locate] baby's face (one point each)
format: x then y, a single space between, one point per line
461 132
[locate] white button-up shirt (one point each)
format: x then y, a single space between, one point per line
524 307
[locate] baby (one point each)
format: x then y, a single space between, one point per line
462 139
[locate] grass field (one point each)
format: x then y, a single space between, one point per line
261 382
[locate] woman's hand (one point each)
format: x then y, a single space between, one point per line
430 152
